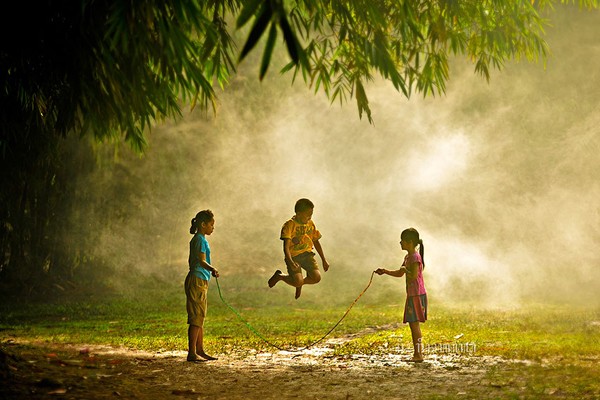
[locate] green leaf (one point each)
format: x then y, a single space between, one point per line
266 59
287 67
362 101
290 38
249 9
261 23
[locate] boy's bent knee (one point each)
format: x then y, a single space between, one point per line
314 277
297 280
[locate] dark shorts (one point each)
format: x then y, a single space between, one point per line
415 309
196 291
306 261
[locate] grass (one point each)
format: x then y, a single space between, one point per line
535 334
156 320
562 342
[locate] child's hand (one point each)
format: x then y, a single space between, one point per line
325 265
215 273
297 267
380 271
293 266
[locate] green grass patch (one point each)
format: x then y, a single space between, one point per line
156 320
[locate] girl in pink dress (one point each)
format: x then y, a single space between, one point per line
415 309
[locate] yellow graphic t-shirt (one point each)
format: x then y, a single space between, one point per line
302 235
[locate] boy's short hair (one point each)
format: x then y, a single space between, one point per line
303 205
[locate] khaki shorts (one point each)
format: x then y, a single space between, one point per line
306 261
196 291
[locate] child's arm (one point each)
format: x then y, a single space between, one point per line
397 273
288 256
319 250
204 264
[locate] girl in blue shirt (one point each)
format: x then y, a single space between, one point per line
196 283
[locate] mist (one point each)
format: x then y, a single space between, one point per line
499 178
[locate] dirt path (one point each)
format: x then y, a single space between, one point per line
36 371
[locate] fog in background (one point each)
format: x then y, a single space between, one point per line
500 179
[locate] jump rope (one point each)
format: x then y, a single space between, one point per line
290 349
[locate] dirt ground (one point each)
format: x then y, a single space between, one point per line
36 371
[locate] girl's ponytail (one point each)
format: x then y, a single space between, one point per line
422 252
194 227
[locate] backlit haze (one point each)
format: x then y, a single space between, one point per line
502 180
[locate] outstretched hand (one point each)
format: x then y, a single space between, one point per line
380 271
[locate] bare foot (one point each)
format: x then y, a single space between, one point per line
298 292
275 278
415 359
206 356
194 358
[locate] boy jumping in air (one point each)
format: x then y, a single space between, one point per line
299 236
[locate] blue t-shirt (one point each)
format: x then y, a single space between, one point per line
198 245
